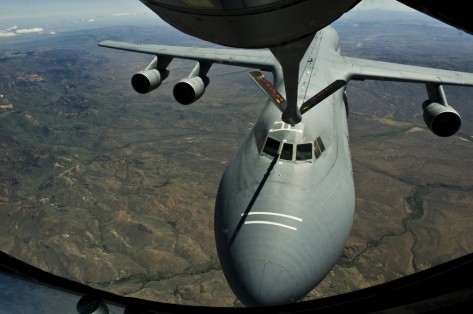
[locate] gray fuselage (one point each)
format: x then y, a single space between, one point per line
286 201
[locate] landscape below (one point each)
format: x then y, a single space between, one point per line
116 190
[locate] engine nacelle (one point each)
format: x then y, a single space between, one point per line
189 90
442 120
147 80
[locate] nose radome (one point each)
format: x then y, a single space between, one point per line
264 283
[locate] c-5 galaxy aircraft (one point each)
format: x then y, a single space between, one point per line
286 201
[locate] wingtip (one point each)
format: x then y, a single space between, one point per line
103 43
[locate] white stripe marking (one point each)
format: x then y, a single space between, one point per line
292 130
269 223
274 214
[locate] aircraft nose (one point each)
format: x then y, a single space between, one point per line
264 283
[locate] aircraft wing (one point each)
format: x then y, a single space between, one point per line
259 59
362 69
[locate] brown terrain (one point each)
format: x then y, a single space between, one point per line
116 190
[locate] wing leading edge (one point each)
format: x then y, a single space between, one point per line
363 69
258 59
353 69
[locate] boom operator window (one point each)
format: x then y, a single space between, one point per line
303 152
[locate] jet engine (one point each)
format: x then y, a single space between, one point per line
150 78
145 81
188 90
442 120
439 117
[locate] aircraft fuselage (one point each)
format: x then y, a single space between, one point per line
286 201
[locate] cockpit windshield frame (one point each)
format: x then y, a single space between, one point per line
295 152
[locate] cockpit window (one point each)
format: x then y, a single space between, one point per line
304 151
271 147
318 147
321 144
286 152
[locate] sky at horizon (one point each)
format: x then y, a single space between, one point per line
50 16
